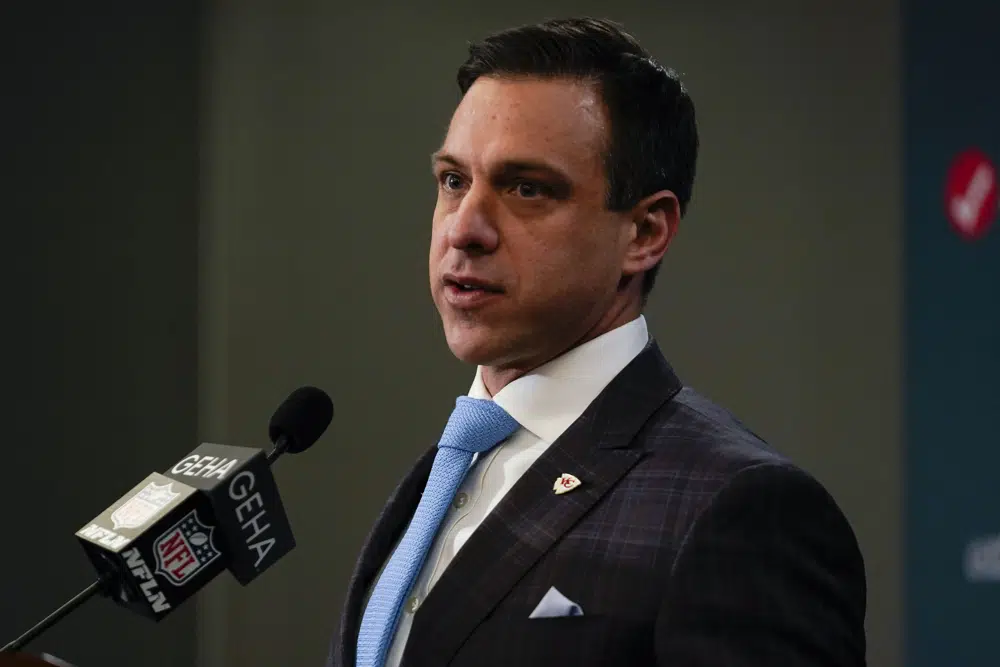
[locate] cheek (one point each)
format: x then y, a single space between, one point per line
438 236
579 260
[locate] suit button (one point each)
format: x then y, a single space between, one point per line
412 604
460 500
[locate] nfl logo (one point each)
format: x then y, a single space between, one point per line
185 549
143 506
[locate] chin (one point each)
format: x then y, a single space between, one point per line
475 344
475 350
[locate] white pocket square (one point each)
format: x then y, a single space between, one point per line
554 604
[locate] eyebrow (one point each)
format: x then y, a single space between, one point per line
441 156
507 168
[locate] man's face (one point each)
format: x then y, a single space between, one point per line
525 259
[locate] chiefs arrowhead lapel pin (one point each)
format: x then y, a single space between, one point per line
565 483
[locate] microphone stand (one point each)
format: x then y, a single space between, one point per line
56 616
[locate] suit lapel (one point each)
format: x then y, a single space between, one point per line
378 546
531 517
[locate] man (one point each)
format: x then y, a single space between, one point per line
583 507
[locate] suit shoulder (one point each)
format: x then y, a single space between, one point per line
707 457
701 435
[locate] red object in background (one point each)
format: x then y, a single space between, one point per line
971 194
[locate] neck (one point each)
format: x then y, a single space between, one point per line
496 378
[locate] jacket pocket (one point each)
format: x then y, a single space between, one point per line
580 641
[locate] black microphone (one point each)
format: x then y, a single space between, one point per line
216 508
299 421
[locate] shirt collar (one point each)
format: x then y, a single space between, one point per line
550 398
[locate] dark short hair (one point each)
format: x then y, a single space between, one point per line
654 139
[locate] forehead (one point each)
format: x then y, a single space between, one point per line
562 121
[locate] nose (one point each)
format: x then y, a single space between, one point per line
472 226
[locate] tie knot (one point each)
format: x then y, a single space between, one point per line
477 425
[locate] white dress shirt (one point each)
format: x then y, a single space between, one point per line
545 402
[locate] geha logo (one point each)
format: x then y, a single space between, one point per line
205 467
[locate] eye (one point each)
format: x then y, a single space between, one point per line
451 181
530 190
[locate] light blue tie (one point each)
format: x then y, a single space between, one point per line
475 425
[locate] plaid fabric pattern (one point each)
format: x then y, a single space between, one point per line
690 543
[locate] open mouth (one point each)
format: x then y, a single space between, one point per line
472 286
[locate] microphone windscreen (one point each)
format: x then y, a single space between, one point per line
302 418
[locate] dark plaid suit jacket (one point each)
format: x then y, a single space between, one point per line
690 543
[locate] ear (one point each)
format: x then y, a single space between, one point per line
656 219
